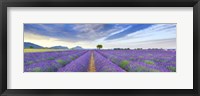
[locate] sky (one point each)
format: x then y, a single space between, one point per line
109 35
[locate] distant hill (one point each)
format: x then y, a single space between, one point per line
77 48
31 45
59 47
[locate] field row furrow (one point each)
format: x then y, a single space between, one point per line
142 61
105 65
148 60
79 65
52 65
30 58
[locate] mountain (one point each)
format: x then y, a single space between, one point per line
31 45
77 48
59 47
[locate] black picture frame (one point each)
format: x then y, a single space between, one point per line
99 3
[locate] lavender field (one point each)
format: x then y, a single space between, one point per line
99 47
144 60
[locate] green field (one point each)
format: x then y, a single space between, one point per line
28 50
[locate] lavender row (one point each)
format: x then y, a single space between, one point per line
79 65
104 65
142 60
53 64
156 57
30 58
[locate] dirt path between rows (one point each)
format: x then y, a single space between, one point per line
92 63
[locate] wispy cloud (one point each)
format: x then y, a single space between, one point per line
147 38
110 35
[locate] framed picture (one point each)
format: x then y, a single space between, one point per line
99 47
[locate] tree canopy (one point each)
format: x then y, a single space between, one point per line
99 46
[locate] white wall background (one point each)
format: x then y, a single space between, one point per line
182 79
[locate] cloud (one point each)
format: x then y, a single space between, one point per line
87 28
166 44
146 38
46 41
110 35
158 31
88 31
92 32
132 28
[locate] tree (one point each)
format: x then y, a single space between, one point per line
99 46
31 47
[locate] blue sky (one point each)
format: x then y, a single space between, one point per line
109 35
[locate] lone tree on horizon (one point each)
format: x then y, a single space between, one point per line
99 46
